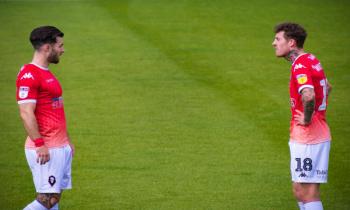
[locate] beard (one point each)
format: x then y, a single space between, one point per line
53 57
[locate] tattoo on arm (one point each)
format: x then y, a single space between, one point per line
308 98
309 107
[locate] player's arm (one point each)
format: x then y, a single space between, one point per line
308 99
31 126
29 120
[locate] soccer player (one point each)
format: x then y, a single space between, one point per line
39 95
309 133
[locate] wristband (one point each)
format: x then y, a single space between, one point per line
39 142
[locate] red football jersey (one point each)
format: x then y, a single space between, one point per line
38 85
307 72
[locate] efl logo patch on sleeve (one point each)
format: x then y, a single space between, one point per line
23 92
302 79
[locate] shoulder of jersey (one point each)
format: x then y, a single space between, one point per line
304 62
28 71
315 63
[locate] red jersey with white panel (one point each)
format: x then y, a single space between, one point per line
38 85
307 72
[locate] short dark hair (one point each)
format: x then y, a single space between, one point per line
292 31
43 35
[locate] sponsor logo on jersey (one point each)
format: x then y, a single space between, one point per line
23 92
49 80
27 76
302 78
298 66
317 67
57 102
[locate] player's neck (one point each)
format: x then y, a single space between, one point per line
294 54
40 59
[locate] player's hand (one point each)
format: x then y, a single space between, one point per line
43 155
300 118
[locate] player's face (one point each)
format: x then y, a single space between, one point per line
56 51
281 44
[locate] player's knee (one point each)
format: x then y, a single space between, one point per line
48 199
311 196
54 200
306 192
298 193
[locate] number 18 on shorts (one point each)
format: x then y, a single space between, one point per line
309 162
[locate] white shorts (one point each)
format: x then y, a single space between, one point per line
55 175
309 162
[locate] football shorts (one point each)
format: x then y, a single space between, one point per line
309 162
55 175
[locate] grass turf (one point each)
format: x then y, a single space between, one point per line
175 105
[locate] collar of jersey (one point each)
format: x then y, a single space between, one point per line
43 68
298 57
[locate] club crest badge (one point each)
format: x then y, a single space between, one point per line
52 180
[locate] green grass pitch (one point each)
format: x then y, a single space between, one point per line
175 104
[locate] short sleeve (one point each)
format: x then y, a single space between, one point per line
302 75
27 86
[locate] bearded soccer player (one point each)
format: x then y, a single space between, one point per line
39 95
309 133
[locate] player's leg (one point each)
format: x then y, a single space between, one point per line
312 199
295 168
297 191
309 168
55 207
48 179
65 168
66 179
311 192
308 194
48 200
31 159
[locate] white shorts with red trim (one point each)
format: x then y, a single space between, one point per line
55 175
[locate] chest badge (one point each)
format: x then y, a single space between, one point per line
302 79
